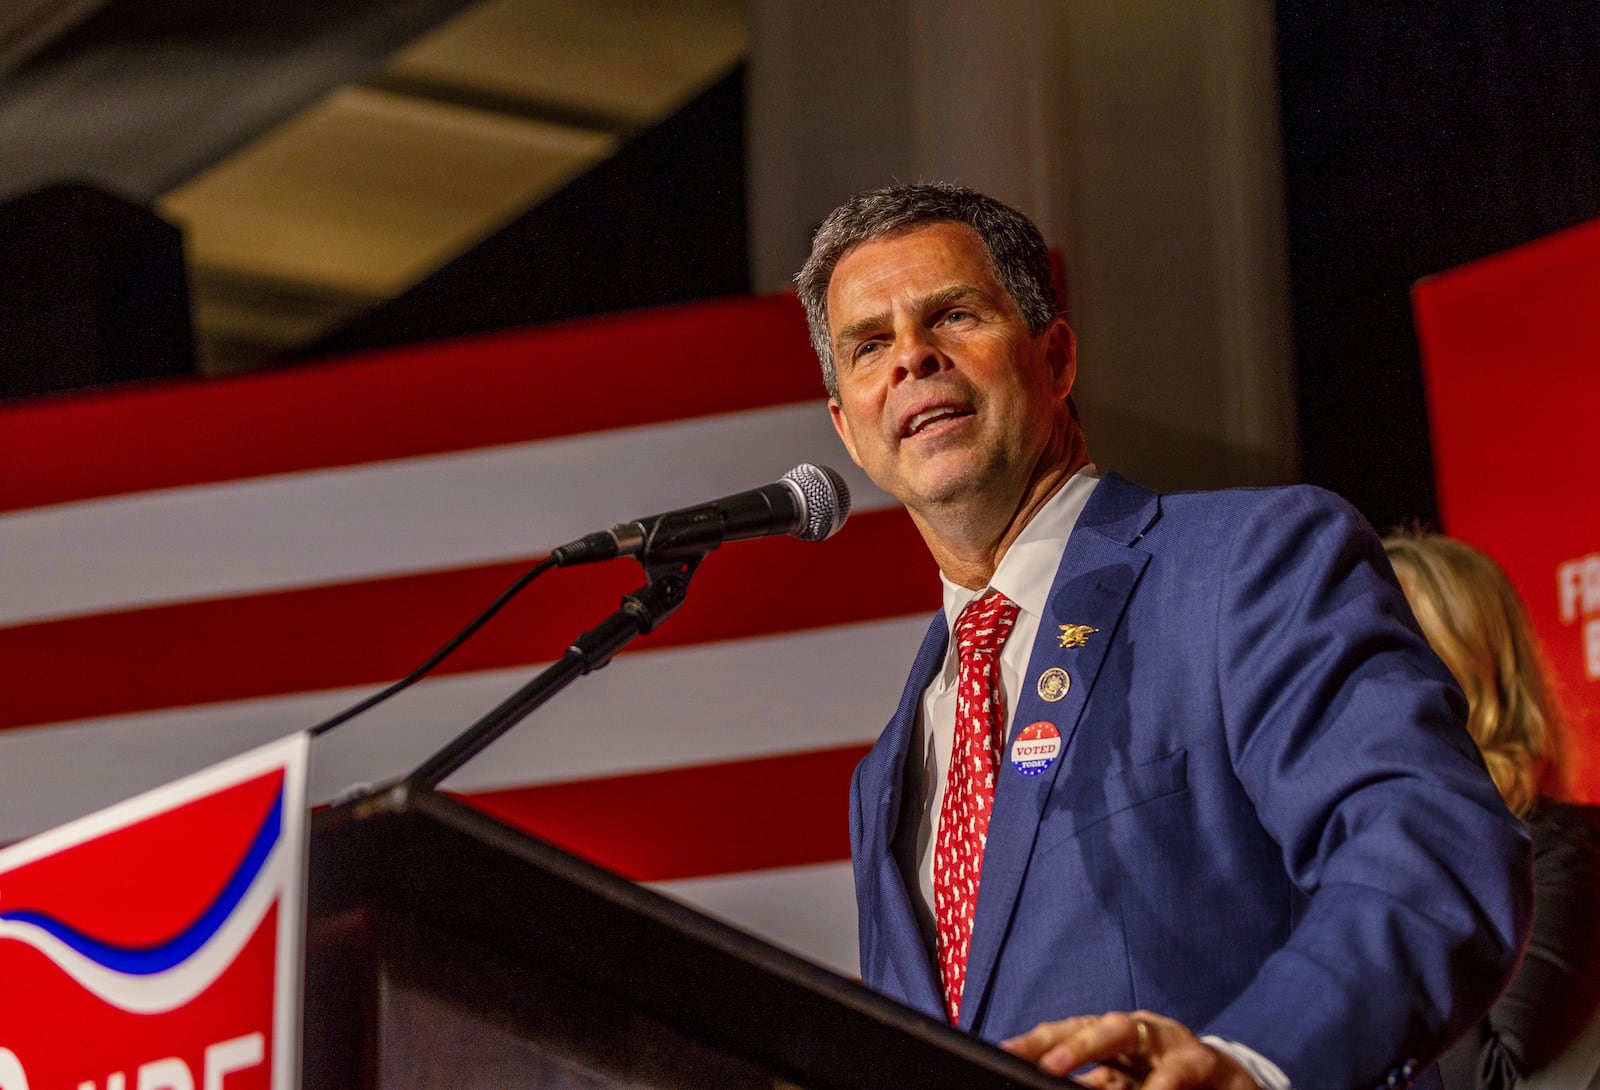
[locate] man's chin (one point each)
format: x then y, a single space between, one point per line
944 490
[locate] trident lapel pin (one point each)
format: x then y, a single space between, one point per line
1076 635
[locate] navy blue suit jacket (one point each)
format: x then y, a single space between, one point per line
1266 820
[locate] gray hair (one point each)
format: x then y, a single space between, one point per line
1017 252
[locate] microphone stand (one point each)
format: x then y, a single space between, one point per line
640 612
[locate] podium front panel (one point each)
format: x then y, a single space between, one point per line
448 950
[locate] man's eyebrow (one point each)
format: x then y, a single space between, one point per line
856 329
944 297
933 301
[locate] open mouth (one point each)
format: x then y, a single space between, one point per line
933 418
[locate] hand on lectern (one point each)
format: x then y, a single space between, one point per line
1142 1049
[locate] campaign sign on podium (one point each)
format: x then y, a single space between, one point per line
157 945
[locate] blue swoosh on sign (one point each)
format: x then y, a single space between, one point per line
145 961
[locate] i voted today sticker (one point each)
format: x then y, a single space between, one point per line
1036 748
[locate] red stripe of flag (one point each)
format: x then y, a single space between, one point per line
613 372
785 811
368 632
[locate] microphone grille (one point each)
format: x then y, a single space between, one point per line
825 497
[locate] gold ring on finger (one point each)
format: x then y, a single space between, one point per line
1141 1045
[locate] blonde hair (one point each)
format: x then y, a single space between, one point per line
1472 616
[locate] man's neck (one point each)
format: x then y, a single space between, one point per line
969 546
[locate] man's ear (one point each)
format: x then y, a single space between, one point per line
1061 353
842 426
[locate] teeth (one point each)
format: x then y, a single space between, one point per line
923 418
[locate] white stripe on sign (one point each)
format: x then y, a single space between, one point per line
397 517
674 707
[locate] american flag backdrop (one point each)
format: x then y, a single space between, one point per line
192 569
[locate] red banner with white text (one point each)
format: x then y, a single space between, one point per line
158 943
1511 348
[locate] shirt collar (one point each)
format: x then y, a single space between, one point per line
1028 569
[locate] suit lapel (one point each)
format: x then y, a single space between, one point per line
1093 583
886 902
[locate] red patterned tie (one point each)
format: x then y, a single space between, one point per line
969 789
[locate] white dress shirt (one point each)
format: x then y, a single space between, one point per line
1025 575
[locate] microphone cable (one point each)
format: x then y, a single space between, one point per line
440 655
819 496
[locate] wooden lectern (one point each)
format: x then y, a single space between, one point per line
446 950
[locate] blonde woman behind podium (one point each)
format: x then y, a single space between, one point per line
1545 1030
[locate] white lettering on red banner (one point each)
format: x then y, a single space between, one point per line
156 945
1578 589
222 1059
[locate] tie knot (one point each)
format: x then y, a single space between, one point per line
984 625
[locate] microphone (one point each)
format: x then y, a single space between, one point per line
808 502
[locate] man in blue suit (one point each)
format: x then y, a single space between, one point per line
1221 825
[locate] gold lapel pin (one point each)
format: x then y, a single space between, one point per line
1054 683
1076 635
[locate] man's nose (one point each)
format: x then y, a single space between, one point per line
920 355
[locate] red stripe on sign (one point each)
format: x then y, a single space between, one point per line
565 379
373 631
786 811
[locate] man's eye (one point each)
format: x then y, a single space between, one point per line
866 348
957 315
